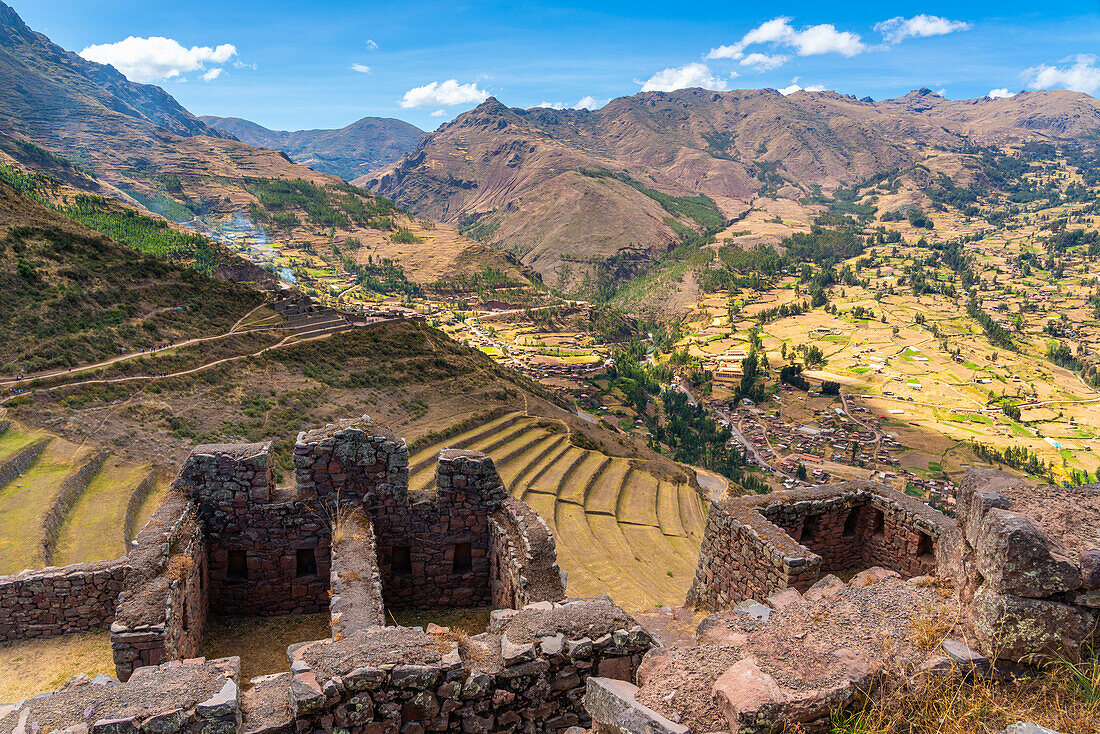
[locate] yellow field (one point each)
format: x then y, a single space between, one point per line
30 667
619 529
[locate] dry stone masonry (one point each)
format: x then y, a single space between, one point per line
788 641
757 545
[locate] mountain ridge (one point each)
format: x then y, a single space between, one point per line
347 152
517 176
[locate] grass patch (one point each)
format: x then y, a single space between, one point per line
1066 698
261 642
471 621
29 667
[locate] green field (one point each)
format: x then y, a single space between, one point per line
93 529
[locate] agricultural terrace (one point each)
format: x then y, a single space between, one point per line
111 498
620 529
963 333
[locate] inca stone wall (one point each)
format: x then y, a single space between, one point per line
161 613
757 545
523 563
256 533
356 583
56 601
527 673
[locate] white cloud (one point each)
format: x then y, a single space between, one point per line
682 77
360 68
1001 93
588 102
157 58
896 30
1082 76
552 105
211 75
371 45
446 93
795 87
764 62
439 113
810 41
942 92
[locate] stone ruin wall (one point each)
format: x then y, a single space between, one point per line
356 601
528 671
161 613
56 601
755 546
523 561
1029 565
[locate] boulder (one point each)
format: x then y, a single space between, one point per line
829 585
1026 630
1015 556
784 598
873 575
1090 569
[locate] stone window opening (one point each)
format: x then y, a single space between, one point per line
185 622
878 522
810 529
850 524
306 563
237 565
463 561
400 560
926 547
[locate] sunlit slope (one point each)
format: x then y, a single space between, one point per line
619 529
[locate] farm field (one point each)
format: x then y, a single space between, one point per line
93 529
619 529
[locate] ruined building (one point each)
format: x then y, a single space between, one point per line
1018 573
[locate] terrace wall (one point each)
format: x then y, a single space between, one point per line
57 601
71 490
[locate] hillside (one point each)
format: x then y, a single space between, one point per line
69 295
518 178
349 152
134 142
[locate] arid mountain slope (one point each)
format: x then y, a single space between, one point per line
517 177
349 152
47 87
135 142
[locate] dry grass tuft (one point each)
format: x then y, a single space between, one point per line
179 566
931 628
1065 698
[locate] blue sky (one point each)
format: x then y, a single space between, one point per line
326 63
